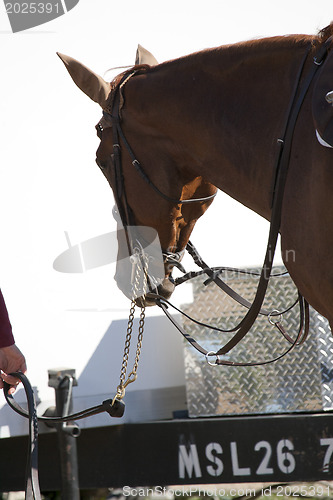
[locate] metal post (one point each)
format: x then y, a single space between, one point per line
63 380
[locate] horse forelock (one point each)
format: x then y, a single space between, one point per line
121 79
325 33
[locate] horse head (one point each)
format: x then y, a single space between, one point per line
155 191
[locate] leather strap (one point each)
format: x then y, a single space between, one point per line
279 183
282 171
300 338
214 276
115 121
32 491
115 408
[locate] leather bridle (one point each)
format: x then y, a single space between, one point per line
114 407
303 82
112 118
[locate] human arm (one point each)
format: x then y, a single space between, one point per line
11 358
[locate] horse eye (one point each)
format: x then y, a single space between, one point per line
99 130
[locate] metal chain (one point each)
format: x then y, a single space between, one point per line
139 261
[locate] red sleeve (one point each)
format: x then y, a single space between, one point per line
6 335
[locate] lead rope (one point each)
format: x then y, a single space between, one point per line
114 407
139 262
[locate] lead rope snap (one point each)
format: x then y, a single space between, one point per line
139 263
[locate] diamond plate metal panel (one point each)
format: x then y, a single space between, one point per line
302 381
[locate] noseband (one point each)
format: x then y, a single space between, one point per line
112 118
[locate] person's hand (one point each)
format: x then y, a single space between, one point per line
11 360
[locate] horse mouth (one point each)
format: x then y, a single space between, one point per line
163 291
157 289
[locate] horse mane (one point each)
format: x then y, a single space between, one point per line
244 46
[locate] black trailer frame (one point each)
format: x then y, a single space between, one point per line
276 448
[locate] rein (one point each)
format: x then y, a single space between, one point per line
278 187
300 338
115 406
279 182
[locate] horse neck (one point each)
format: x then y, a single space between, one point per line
218 113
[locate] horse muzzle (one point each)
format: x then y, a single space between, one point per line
158 278
163 286
148 298
164 290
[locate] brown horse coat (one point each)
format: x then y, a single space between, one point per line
213 119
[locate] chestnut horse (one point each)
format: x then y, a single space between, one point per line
214 119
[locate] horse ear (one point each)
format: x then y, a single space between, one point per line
143 56
91 84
